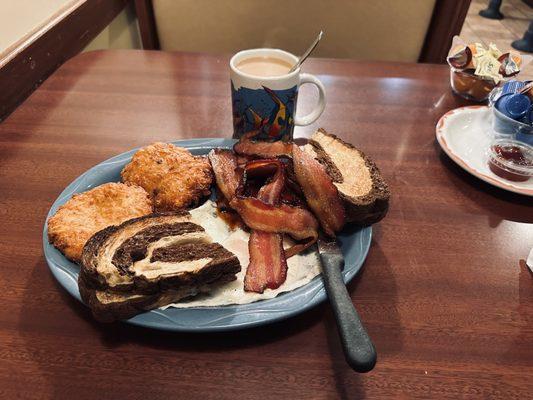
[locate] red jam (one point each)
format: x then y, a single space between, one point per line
511 154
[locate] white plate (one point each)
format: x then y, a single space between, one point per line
465 135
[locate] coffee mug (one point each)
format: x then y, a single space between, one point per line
266 105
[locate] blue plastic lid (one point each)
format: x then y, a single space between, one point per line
515 106
500 102
512 87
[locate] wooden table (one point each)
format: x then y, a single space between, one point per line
442 293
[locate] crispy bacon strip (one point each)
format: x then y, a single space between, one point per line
320 193
261 149
224 165
273 168
268 265
265 216
299 247
271 192
295 221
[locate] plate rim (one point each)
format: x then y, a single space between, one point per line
440 135
62 275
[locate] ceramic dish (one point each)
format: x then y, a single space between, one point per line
465 135
354 244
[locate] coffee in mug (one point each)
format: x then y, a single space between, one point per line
264 94
264 66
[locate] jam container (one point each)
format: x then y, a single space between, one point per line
470 86
511 159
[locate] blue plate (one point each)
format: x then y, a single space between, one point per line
354 244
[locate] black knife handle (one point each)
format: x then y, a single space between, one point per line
358 348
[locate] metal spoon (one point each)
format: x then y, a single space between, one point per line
307 53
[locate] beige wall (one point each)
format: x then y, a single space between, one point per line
121 33
22 19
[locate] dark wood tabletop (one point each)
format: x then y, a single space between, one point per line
442 292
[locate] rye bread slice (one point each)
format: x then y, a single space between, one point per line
109 306
154 253
361 187
149 262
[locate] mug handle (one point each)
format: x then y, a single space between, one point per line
321 105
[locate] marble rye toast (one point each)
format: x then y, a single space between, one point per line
364 192
109 306
148 262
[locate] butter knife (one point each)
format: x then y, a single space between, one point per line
358 349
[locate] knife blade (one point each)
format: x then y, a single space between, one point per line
358 348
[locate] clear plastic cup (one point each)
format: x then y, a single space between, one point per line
511 159
525 136
469 86
505 127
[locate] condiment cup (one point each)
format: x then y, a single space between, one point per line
505 127
469 86
507 167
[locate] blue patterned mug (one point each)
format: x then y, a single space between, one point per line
267 104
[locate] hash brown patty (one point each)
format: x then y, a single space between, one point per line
174 178
87 213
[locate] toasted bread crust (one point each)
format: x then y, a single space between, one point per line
128 308
114 311
362 210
